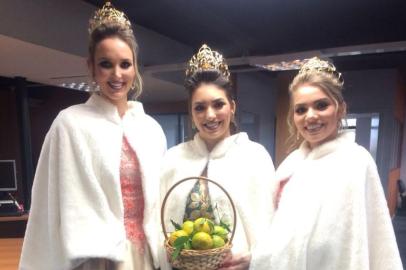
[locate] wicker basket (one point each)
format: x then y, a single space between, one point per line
210 259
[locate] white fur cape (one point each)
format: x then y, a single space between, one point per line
77 209
332 213
244 168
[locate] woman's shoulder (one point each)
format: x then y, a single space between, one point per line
72 114
356 154
180 149
137 111
244 142
291 159
150 121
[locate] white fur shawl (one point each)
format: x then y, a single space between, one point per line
332 213
244 168
77 209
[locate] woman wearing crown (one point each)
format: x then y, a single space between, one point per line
93 200
222 154
331 210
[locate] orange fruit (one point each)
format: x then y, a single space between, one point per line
175 235
188 227
202 241
218 241
203 225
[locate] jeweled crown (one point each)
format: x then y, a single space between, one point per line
206 59
108 14
316 64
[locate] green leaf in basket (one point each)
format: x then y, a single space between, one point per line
179 244
176 253
188 244
176 225
211 224
180 241
226 226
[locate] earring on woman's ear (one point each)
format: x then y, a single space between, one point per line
297 135
94 86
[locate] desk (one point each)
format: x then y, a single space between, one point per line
14 218
13 226
10 251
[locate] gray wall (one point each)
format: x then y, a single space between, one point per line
367 91
62 25
256 93
373 91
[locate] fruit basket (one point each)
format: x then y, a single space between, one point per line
191 259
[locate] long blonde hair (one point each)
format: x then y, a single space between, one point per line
327 82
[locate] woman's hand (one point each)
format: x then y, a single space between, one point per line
236 262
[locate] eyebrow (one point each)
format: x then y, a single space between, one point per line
314 102
108 59
212 101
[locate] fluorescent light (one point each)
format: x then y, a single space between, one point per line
81 86
284 65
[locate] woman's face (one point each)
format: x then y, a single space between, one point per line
315 115
212 112
113 69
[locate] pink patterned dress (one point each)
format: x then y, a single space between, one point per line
137 253
133 198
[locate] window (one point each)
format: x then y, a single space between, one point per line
175 127
365 128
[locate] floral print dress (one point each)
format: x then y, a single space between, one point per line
133 197
198 201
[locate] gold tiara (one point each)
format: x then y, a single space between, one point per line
108 14
206 59
318 65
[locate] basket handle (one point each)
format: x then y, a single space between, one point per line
198 178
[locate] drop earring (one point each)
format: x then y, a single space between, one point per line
94 87
194 126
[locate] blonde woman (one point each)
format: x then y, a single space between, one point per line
331 210
93 200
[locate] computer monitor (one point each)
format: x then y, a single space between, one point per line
8 176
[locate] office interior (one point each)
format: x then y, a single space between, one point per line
43 50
